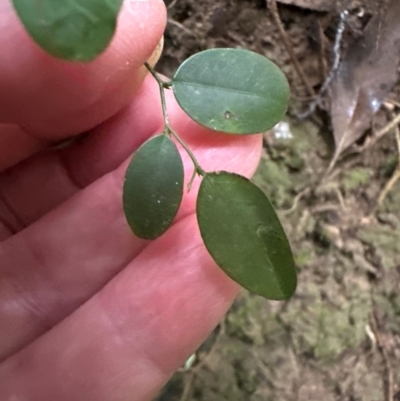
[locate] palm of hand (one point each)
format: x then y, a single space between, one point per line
88 311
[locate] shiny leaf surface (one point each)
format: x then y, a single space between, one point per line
232 90
153 187
244 236
70 29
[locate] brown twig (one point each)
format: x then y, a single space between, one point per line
296 200
288 45
194 371
188 385
387 372
322 49
179 25
382 132
396 175
172 4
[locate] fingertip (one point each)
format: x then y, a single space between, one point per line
53 98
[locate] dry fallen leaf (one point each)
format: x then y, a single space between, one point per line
319 5
365 77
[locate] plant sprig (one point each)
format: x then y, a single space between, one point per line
235 91
238 225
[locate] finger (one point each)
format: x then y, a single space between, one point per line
34 187
53 266
127 340
17 145
52 98
37 186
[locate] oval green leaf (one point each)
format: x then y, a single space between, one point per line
243 234
232 90
153 187
70 29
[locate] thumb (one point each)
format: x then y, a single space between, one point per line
52 99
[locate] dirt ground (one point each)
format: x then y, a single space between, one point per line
338 338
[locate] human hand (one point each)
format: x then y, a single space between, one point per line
87 310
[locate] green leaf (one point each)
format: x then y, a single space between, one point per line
70 29
232 90
244 236
153 187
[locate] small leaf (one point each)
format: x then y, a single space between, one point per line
153 187
244 236
232 90
70 29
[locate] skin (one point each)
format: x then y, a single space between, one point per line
87 310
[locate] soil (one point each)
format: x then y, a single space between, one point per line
338 338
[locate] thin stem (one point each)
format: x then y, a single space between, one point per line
197 168
168 129
162 94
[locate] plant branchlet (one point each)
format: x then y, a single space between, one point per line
234 91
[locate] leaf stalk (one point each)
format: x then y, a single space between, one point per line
168 130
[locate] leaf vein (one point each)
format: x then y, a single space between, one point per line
223 89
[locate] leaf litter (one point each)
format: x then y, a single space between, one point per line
318 5
365 77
